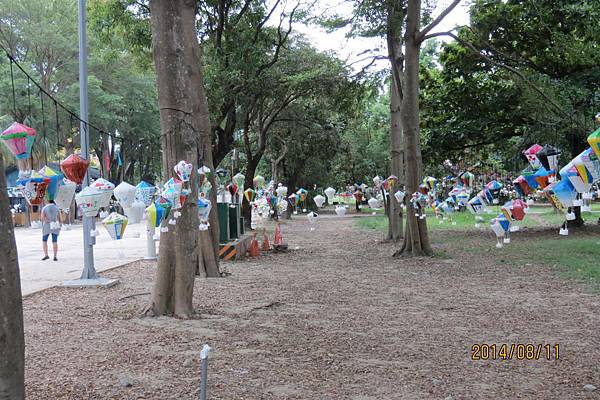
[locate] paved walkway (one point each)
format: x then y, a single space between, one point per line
37 275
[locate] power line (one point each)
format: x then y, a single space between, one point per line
56 102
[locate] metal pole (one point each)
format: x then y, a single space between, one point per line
203 370
89 272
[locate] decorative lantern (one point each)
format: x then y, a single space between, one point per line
429 182
302 193
258 182
158 211
145 192
33 186
281 190
19 138
249 194
125 194
173 192
373 203
330 193
64 194
74 167
594 141
203 173
90 200
204 206
106 188
55 179
232 188
239 180
531 155
135 212
548 156
319 200
399 195
467 179
340 210
183 169
115 224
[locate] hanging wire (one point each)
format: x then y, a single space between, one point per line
57 127
29 98
12 81
57 103
44 129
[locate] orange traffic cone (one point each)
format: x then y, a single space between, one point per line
278 239
253 251
265 244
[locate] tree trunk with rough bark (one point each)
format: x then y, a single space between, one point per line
183 119
395 18
416 238
12 343
397 164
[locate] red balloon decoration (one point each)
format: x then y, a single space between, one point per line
233 189
74 167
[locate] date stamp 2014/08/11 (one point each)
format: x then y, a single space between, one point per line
515 351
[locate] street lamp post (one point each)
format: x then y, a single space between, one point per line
89 277
89 272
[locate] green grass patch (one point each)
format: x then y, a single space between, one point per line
576 256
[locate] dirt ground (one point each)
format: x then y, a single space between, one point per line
336 319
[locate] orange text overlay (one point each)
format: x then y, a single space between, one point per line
515 351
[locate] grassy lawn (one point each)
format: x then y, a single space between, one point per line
576 257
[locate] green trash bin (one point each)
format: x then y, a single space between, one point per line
223 211
234 221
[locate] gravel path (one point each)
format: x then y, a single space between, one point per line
336 319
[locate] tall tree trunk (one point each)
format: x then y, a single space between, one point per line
182 120
395 17
416 239
12 343
397 163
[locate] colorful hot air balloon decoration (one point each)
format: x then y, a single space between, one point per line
258 182
33 186
173 192
74 167
55 179
390 182
204 206
467 179
531 155
18 138
548 156
106 188
542 177
89 200
232 188
158 211
115 224
594 142
144 192
430 182
249 194
183 169
203 173
64 194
